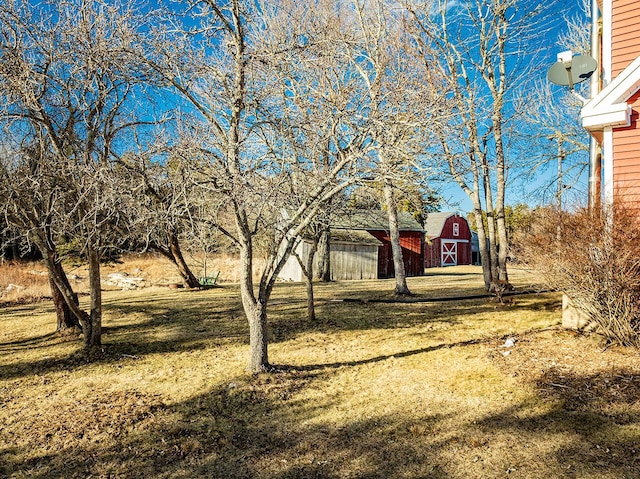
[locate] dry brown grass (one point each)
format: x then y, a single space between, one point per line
371 390
20 282
24 282
159 271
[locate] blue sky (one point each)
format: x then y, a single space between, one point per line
521 190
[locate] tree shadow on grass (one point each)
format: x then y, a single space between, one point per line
160 327
286 321
597 414
27 343
191 328
378 359
260 427
153 324
452 274
247 428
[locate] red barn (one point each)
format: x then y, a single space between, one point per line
376 223
411 242
449 240
612 115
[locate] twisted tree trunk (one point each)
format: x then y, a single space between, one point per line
174 254
65 319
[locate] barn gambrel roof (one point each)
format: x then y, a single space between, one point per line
436 221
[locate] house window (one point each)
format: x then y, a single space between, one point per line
456 229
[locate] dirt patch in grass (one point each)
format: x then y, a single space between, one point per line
370 390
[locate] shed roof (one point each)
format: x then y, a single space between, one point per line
350 236
361 237
376 220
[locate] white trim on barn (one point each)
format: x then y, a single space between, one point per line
457 240
448 252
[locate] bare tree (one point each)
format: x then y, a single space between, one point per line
164 206
67 82
554 139
29 196
577 34
399 111
225 68
555 136
480 48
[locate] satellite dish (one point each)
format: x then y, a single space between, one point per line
568 72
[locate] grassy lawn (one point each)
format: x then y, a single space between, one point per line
422 389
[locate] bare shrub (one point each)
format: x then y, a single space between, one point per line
594 258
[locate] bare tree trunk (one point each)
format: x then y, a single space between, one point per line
503 238
92 327
485 260
394 234
306 265
59 278
474 196
497 87
308 274
178 259
491 223
258 357
64 317
255 310
324 253
174 254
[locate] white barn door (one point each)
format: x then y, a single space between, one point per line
449 253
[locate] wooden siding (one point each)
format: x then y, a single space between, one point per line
464 253
412 254
625 46
348 261
432 254
353 261
464 233
626 154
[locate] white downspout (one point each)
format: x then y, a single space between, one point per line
595 152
